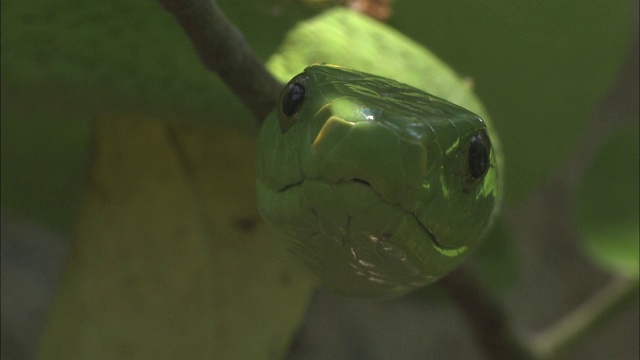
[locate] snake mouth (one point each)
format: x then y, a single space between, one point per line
437 244
434 239
445 250
355 180
362 181
289 186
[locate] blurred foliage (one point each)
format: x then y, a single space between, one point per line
608 208
531 64
71 66
539 67
495 263
43 160
67 61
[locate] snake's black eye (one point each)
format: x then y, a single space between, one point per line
478 159
293 98
478 155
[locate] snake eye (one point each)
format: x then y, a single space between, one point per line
293 98
291 101
478 159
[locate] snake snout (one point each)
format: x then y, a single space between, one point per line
370 154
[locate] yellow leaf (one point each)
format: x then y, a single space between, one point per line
171 259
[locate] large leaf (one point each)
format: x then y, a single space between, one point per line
171 259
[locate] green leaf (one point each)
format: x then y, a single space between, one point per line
64 63
608 204
120 55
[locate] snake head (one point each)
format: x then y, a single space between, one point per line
378 186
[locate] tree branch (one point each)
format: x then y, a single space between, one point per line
485 316
222 49
585 318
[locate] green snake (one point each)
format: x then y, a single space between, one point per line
378 186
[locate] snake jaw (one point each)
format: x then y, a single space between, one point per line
448 251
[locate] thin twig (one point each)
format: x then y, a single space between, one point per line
222 49
485 316
585 318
